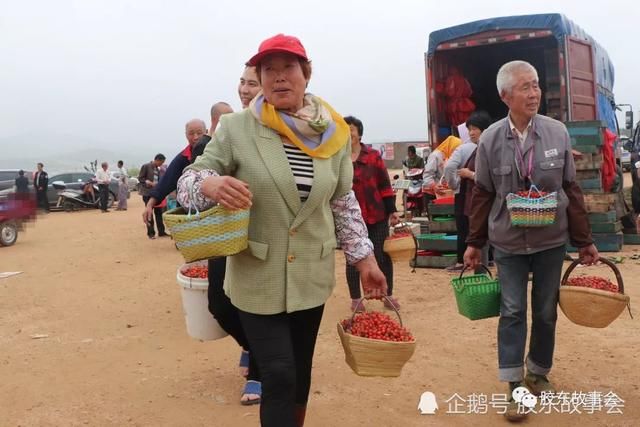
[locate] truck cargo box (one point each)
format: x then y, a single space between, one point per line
575 73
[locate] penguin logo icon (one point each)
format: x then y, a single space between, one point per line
428 404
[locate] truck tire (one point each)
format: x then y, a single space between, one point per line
8 233
111 200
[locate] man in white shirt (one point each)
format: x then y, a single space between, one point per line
104 179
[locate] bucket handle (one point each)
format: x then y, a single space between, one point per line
355 309
192 203
616 271
460 286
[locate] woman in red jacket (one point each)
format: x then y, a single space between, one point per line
377 201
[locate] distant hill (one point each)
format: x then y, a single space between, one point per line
71 152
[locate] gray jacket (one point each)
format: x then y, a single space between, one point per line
456 162
497 173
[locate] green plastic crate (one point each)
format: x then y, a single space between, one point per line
631 239
604 217
606 227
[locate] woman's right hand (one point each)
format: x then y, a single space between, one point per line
465 173
228 191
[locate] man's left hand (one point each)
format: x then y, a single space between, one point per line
373 281
588 254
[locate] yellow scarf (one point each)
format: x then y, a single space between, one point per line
448 146
318 130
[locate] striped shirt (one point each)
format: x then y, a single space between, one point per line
302 169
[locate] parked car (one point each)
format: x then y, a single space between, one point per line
625 160
8 178
132 182
75 181
625 153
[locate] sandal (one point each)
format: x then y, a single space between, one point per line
251 388
244 363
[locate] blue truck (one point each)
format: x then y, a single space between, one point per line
575 72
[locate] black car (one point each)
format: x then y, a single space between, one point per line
75 181
8 178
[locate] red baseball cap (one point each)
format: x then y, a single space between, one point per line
278 43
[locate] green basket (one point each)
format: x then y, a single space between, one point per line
478 295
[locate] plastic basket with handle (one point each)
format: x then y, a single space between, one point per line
372 357
477 295
214 232
534 210
592 307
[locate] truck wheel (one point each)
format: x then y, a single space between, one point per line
111 200
8 233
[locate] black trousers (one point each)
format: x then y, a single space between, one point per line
377 233
104 196
226 313
462 226
283 345
43 202
157 212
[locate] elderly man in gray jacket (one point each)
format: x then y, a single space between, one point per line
522 149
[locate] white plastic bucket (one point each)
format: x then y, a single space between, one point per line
195 304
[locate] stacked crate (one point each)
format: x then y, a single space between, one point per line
587 137
437 245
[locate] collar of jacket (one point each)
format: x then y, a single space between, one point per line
509 133
364 153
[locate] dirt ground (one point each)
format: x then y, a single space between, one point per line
113 348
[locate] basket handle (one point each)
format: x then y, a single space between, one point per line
532 188
403 226
487 272
355 309
616 271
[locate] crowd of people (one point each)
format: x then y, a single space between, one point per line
312 185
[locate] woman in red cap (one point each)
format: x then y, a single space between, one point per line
287 158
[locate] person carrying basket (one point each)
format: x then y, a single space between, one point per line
515 153
287 159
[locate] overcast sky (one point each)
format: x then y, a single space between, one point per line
127 75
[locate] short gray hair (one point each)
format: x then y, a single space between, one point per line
506 75
196 121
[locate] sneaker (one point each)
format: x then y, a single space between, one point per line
355 304
456 268
514 412
538 384
391 303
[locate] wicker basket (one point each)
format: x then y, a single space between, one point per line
401 248
532 212
211 233
375 358
478 295
592 307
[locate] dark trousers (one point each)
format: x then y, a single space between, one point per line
104 196
377 233
283 345
514 269
226 313
157 212
462 226
43 202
